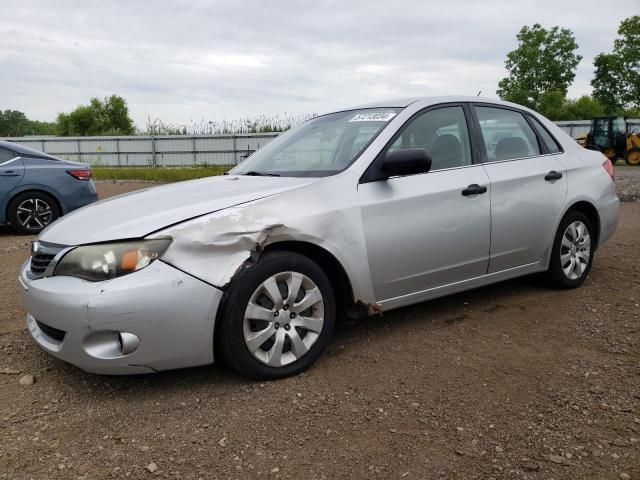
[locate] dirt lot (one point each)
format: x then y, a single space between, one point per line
508 381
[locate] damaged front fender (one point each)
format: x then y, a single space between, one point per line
215 246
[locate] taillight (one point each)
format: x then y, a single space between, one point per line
608 166
80 174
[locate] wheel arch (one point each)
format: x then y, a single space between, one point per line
340 281
45 191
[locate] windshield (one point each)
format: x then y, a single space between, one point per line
319 147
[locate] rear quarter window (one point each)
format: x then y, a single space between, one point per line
551 143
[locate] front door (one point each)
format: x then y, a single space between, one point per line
428 230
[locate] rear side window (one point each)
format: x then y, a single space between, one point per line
549 141
507 134
6 155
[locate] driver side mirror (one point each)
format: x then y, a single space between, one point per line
406 161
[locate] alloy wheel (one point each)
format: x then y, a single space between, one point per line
34 213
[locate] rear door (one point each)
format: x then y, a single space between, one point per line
528 186
11 172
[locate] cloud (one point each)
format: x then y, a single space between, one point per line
184 61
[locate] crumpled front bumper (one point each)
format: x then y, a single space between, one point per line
167 318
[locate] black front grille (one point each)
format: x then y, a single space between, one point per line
40 262
53 333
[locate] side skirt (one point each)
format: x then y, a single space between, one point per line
430 294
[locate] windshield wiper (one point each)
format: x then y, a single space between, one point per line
253 173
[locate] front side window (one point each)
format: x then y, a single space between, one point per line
506 133
442 133
6 155
320 147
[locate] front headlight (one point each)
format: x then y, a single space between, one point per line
110 260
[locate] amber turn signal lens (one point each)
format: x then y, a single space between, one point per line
129 260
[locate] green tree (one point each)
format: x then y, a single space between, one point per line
12 123
583 108
37 127
101 117
616 81
545 61
553 105
607 82
116 115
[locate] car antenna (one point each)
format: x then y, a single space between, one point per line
479 92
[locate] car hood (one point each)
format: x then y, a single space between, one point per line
137 214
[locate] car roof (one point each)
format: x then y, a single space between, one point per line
22 150
426 101
392 103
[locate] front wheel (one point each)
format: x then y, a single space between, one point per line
277 317
572 254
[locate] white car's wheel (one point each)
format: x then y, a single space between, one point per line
277 317
572 254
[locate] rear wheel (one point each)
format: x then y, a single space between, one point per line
277 318
572 254
31 212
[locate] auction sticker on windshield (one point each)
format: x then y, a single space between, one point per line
373 117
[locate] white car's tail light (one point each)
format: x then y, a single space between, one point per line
608 166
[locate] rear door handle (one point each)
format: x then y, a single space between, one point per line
9 173
474 189
553 175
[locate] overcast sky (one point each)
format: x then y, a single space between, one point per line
188 61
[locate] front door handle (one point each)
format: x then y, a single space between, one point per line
9 173
553 175
474 189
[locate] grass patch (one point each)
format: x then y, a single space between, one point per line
157 174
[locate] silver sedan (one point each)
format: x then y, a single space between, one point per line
349 214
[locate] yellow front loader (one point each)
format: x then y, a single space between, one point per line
614 138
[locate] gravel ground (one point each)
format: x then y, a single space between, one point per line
507 381
628 183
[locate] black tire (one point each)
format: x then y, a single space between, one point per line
556 275
633 157
230 336
45 211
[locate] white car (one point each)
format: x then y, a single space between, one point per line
351 213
